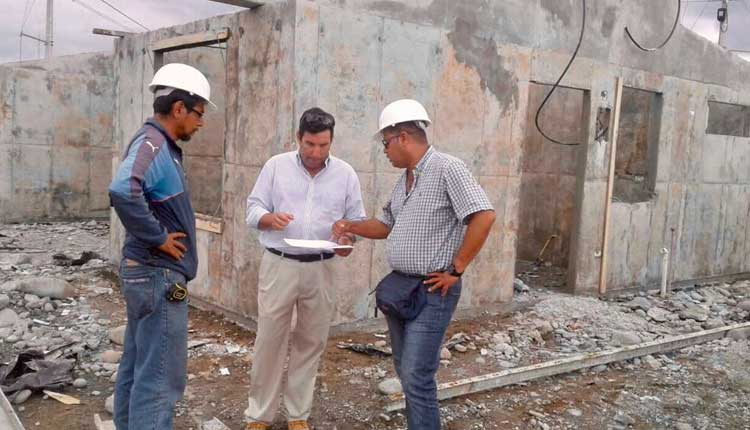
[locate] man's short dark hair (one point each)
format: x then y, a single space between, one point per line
163 104
314 121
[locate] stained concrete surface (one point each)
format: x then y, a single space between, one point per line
56 137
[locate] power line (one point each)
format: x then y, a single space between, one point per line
100 14
699 16
124 14
27 13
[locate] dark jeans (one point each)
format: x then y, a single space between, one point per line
153 370
416 355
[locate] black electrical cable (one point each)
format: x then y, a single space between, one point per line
562 75
674 27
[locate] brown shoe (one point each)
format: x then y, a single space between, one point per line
257 426
298 425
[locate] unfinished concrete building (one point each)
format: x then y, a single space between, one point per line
482 69
56 138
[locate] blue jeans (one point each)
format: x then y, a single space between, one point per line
416 348
153 370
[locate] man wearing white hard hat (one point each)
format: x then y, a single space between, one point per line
436 222
150 196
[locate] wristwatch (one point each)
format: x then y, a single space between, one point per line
453 272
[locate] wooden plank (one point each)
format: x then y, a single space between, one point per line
8 418
114 33
568 364
187 41
610 185
241 3
209 223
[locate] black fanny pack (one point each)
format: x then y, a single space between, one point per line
401 296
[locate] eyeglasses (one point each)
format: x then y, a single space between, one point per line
386 141
197 112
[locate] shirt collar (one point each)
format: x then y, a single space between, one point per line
299 160
424 160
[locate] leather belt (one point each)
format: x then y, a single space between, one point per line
303 258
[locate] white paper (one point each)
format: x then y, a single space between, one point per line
315 244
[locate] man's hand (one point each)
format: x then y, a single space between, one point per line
344 240
173 247
341 227
441 281
276 221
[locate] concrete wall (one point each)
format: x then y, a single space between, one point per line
56 138
473 64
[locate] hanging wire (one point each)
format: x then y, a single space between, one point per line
699 16
124 14
674 27
101 14
562 75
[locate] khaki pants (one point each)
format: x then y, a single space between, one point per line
283 285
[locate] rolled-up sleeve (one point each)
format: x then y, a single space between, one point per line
260 202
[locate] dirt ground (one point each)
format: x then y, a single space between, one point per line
705 387
347 398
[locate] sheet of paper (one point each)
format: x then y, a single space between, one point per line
315 244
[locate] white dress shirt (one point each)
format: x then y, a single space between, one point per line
284 185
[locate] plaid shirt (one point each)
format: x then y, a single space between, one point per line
428 224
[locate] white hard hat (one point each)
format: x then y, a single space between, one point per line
403 110
183 77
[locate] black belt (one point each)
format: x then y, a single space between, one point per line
409 275
303 258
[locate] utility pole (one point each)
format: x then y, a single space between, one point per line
49 42
722 15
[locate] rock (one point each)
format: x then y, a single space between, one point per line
683 426
694 312
739 334
545 328
624 419
21 397
445 354
113 378
117 335
109 404
8 317
658 314
110 356
80 383
390 386
4 301
49 307
639 303
713 323
575 412
625 338
652 362
381 344
519 286
460 348
43 287
696 296
744 305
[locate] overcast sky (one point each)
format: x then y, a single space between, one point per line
74 21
